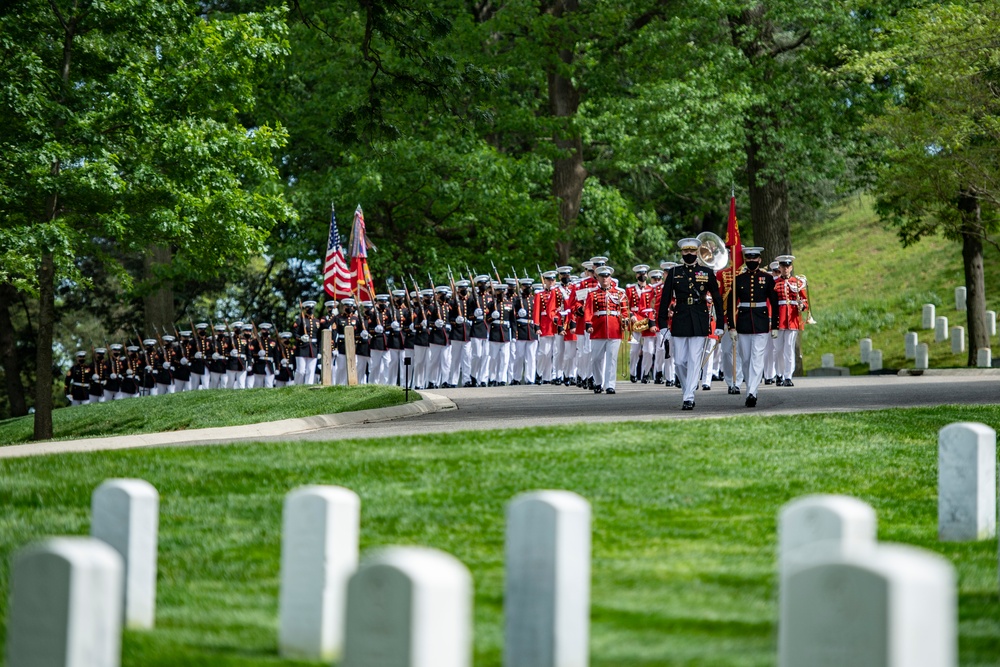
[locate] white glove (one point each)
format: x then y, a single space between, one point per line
284 362
365 335
113 376
439 323
774 333
413 328
95 377
184 361
128 373
522 313
149 369
423 323
478 313
719 332
459 320
379 329
395 326
166 366
216 356
261 354
234 352
495 315
199 355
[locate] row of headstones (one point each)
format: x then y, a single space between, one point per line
961 305
842 595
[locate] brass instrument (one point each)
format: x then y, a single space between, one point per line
641 325
712 253
797 289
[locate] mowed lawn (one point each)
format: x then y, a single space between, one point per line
202 409
683 538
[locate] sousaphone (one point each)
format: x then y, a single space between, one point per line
712 253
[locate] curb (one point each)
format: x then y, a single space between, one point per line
957 372
430 403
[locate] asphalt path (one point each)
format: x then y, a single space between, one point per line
513 407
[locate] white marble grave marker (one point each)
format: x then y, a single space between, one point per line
828 360
822 525
967 482
319 553
940 329
910 342
892 606
927 316
960 300
125 513
991 322
866 349
922 361
875 360
547 593
957 340
65 604
984 357
409 607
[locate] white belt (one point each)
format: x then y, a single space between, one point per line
80 384
788 303
752 304
606 312
521 320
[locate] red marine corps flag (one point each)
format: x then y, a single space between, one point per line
361 277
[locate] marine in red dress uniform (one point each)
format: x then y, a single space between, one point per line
792 300
605 314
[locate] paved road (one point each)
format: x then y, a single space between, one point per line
510 407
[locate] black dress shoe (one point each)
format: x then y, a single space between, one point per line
706 387
716 378
610 391
768 381
632 379
788 383
779 381
645 379
751 401
597 389
687 405
514 383
501 384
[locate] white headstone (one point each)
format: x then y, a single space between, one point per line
547 593
991 322
957 340
967 482
409 607
824 525
828 360
65 605
892 606
984 357
910 341
927 317
940 329
960 298
922 361
125 513
875 360
866 349
319 553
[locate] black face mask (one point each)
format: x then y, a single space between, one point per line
753 264
689 259
564 280
309 311
641 278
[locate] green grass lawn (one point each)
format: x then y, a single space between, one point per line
863 283
203 409
683 537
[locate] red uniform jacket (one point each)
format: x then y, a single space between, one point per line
791 293
543 313
586 286
562 306
640 304
605 310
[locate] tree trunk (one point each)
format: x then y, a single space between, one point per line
568 172
975 283
158 305
768 202
8 354
46 321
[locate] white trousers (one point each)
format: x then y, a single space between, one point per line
524 361
305 370
461 362
161 389
660 354
391 369
512 356
784 352
687 352
583 365
217 380
200 381
732 379
379 364
751 358
567 363
499 362
237 379
480 359
418 373
339 371
364 363
769 358
605 355
263 380
435 365
558 344
543 358
647 346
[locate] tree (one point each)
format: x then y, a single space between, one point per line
122 130
940 130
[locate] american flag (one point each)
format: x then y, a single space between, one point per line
336 275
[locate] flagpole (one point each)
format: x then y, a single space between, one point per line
732 288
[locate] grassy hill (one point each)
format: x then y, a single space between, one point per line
864 284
